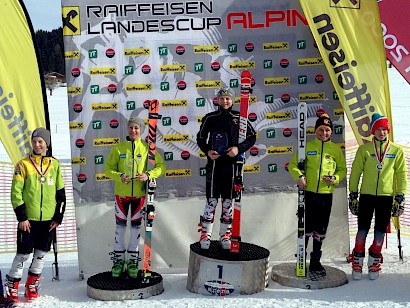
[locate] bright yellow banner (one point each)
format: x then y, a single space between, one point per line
349 37
21 91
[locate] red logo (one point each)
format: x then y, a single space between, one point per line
254 151
75 72
252 117
185 155
253 82
285 98
319 78
112 88
79 143
249 47
146 69
82 177
78 107
287 132
183 120
110 53
181 85
180 50
215 66
284 63
146 103
319 112
287 167
114 123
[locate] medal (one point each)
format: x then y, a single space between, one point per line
42 180
380 156
39 170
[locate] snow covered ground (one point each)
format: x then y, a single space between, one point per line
390 290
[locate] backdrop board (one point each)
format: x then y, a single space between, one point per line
120 55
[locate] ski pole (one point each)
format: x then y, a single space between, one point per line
56 276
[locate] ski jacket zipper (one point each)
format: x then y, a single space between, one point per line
320 168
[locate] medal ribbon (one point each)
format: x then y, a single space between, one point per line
37 168
380 157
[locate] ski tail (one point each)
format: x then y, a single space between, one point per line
301 249
246 90
153 117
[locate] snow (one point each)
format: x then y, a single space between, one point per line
389 290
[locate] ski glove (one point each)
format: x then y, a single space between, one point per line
398 205
354 203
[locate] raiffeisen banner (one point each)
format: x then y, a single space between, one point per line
349 37
396 25
22 93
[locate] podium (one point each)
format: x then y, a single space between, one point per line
104 287
216 271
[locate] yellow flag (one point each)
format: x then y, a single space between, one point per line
349 37
22 98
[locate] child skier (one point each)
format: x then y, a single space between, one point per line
325 167
218 139
38 199
127 166
382 165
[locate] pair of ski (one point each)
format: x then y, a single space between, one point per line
153 117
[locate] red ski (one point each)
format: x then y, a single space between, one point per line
153 117
246 78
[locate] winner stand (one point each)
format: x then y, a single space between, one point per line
217 271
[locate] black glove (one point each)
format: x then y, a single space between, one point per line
354 202
398 205
20 212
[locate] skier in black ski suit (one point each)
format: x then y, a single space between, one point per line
218 138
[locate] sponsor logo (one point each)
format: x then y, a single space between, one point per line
102 142
269 98
137 52
252 117
146 69
310 131
252 169
232 48
284 63
254 151
287 167
249 47
267 64
79 160
319 78
281 115
112 88
338 129
280 150
180 50
207 49
301 44
198 67
114 123
74 90
176 138
104 106
164 86
146 103
129 70
163 51
310 61
201 155
130 105
285 98
208 84
178 173
273 168
166 121
75 72
311 153
319 112
183 120
97 124
168 156
69 55
99 159
270 133
200 102
312 96
101 177
71 20
242 65
76 125
185 155
79 143
276 81
82 177
390 155
175 103
287 132
110 53
138 87
302 79
172 68
276 46
78 107
181 85
103 71
338 112
93 53
95 89
215 66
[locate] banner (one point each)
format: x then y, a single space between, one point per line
395 25
349 37
23 101
118 56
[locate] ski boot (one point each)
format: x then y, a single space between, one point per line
225 235
132 264
373 263
119 263
315 266
32 286
206 233
12 287
356 258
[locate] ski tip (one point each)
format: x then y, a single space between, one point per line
246 74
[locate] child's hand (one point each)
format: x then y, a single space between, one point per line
25 226
329 179
232 152
302 182
213 154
